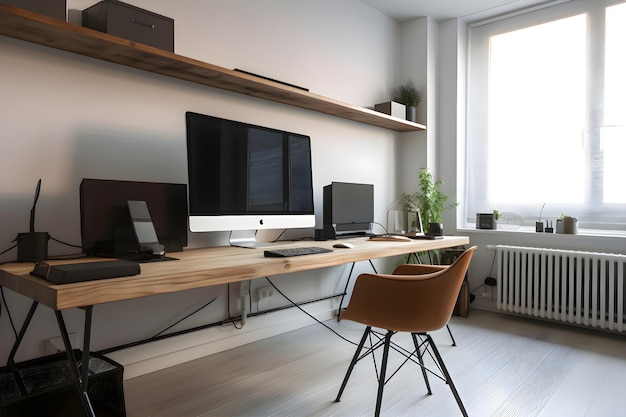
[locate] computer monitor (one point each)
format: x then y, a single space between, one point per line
106 225
349 208
243 178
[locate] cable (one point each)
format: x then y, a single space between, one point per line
64 243
8 311
492 264
184 318
384 228
307 313
6 250
280 235
230 317
67 257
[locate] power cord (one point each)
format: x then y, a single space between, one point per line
489 281
307 313
236 324
6 250
384 228
65 243
182 319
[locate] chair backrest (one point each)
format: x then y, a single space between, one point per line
410 303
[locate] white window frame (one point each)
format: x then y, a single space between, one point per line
613 217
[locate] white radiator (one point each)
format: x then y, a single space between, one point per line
582 288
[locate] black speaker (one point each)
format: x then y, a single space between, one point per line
32 247
327 233
485 221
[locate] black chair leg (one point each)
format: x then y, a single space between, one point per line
383 372
355 359
446 374
421 361
450 333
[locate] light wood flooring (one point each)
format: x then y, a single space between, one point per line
502 366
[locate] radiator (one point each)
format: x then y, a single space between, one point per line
582 288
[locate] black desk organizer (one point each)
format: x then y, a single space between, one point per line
45 387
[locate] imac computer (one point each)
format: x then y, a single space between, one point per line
243 178
349 209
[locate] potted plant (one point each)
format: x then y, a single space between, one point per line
567 225
429 200
411 97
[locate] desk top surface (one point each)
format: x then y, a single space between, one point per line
197 268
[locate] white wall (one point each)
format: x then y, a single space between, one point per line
413 64
65 117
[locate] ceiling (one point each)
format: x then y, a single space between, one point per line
470 10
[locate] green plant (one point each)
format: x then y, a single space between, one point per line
496 214
428 199
409 95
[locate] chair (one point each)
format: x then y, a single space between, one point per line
420 269
406 302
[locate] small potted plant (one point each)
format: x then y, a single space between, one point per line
567 225
411 97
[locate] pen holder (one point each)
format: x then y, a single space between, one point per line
435 229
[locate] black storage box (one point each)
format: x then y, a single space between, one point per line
130 22
486 221
51 390
52 8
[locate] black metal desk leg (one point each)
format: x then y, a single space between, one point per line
345 290
16 345
373 267
73 365
20 336
86 348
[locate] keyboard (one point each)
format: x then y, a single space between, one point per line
281 253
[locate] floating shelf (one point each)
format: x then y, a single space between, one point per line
43 30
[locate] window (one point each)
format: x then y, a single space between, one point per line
546 115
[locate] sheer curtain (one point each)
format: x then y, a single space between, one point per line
546 115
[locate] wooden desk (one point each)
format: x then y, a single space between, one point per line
196 268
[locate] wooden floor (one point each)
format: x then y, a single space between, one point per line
502 366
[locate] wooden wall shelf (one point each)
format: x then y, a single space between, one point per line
43 30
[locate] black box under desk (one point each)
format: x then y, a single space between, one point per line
49 390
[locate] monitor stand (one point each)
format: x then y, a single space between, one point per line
247 239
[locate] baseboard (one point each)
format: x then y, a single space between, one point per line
486 303
151 357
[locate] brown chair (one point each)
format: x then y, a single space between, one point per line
420 269
416 303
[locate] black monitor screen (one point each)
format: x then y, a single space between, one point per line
106 227
243 176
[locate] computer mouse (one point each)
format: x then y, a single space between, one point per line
343 245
